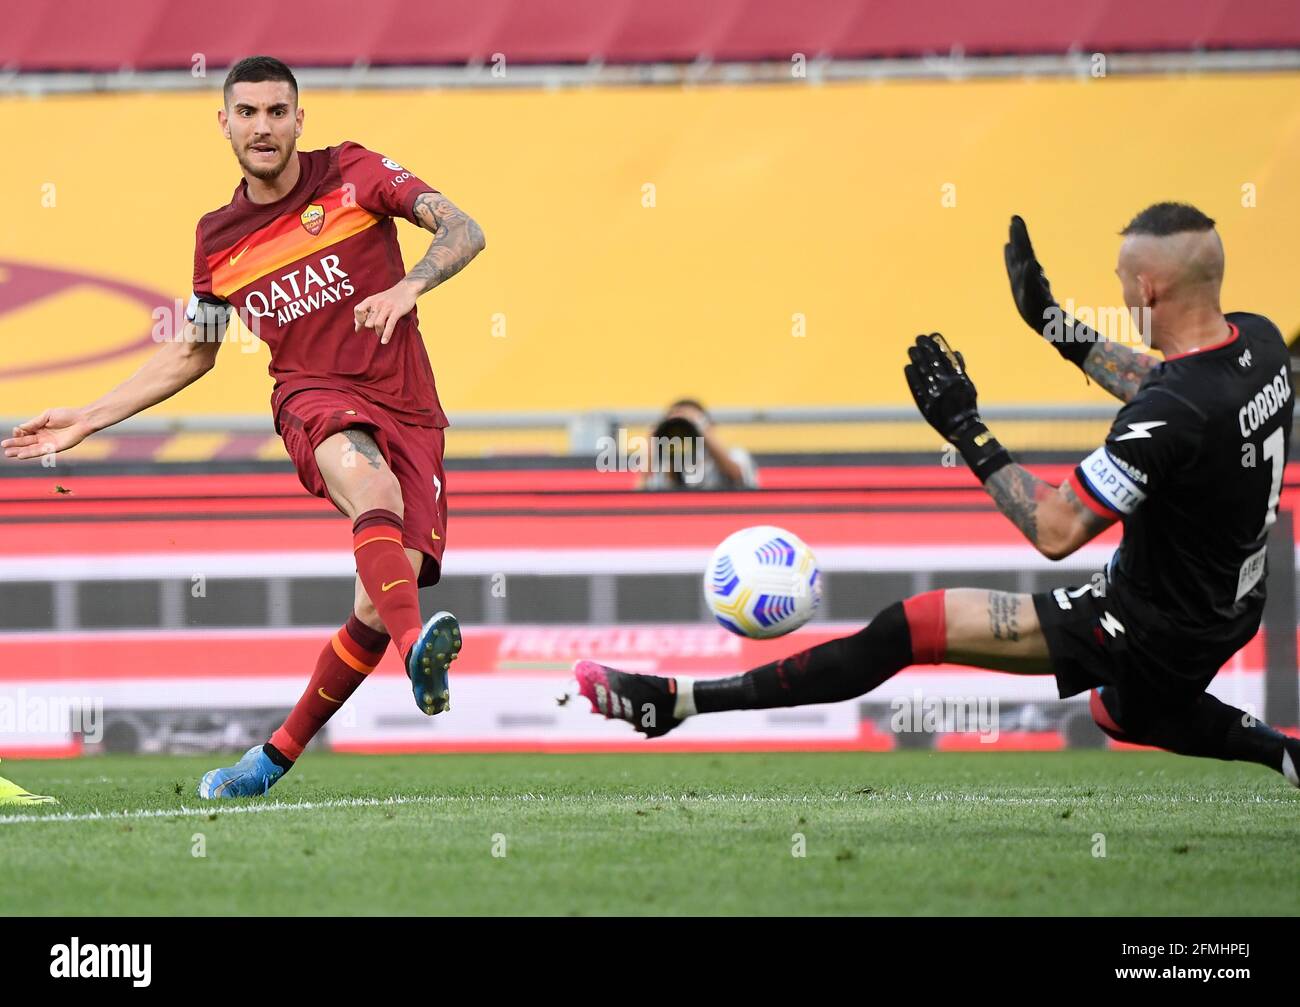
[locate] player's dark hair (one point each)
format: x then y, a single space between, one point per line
1164 219
255 70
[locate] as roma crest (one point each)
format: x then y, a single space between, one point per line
313 218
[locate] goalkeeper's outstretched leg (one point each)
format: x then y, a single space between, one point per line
990 629
1000 631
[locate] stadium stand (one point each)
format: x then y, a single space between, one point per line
154 34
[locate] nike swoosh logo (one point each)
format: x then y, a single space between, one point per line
223 787
324 695
236 258
394 584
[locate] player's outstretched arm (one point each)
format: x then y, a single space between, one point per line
176 364
1054 520
456 240
1116 368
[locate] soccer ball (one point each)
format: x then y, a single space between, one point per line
762 582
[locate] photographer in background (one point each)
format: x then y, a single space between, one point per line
717 467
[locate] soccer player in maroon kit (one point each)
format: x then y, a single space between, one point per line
306 250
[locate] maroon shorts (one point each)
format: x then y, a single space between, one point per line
413 453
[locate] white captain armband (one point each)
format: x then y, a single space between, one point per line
1106 479
209 317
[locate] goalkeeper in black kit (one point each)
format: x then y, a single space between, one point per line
1192 466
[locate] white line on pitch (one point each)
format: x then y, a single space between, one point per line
238 809
1108 800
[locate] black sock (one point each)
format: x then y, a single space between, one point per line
278 757
1212 729
832 671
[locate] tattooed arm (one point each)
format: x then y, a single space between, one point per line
1117 369
1053 518
456 240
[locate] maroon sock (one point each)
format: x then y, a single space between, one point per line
347 659
386 574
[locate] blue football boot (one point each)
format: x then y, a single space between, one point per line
251 776
428 661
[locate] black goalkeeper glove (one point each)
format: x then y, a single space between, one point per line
1034 300
946 397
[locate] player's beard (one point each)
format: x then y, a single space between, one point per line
264 172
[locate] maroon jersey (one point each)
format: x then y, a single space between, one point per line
297 267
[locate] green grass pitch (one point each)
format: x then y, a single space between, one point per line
897 833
